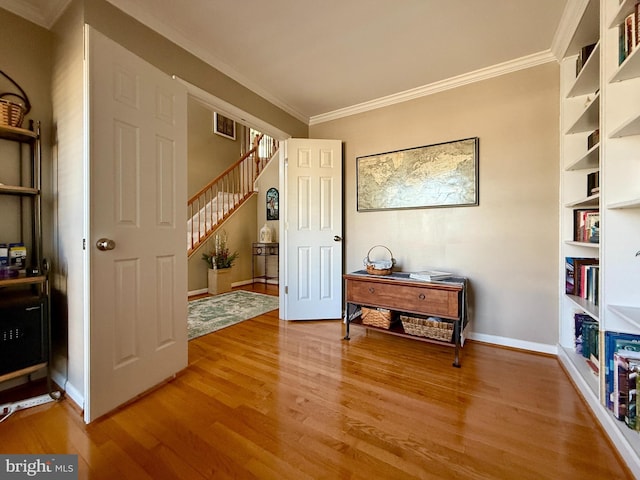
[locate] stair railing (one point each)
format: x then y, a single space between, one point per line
216 201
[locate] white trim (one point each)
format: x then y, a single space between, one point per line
200 291
436 87
70 391
229 110
514 343
571 16
45 14
88 33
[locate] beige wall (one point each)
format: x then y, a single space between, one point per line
240 228
69 279
508 245
269 178
208 154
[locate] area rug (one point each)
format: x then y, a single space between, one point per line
209 314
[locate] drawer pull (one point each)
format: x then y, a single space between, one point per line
371 289
421 296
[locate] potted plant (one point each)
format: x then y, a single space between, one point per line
219 260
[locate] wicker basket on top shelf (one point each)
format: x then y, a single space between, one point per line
12 113
379 267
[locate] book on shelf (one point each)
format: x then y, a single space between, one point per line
593 182
578 281
429 275
586 225
583 56
593 139
623 396
590 341
579 320
628 34
621 343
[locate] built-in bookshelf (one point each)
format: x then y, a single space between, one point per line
600 141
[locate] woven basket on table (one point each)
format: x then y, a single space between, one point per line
378 317
12 113
379 267
431 327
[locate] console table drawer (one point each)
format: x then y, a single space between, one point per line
419 299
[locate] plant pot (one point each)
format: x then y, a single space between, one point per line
219 281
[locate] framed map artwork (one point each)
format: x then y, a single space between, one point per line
440 175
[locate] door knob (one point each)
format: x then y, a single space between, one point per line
337 238
105 244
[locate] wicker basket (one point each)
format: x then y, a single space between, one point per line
12 113
383 267
431 327
378 317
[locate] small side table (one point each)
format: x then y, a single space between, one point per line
265 250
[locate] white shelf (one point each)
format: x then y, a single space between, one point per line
630 314
590 201
589 119
585 305
579 363
633 203
591 159
616 161
628 69
624 9
583 244
628 128
588 80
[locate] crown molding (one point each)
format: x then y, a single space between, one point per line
43 14
571 16
436 87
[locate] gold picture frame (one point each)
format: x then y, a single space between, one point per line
439 175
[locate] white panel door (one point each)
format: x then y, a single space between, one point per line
312 230
137 197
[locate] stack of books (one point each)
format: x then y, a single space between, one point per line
430 275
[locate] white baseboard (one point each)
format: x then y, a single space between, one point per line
514 343
234 284
70 391
191 293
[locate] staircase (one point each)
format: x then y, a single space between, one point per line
220 198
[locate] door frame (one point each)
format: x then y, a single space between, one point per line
219 105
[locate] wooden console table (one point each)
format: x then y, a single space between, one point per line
446 299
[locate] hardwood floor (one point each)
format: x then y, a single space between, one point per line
291 400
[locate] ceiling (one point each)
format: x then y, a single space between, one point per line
316 58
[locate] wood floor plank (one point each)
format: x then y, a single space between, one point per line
270 399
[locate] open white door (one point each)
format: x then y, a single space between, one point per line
311 234
137 330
